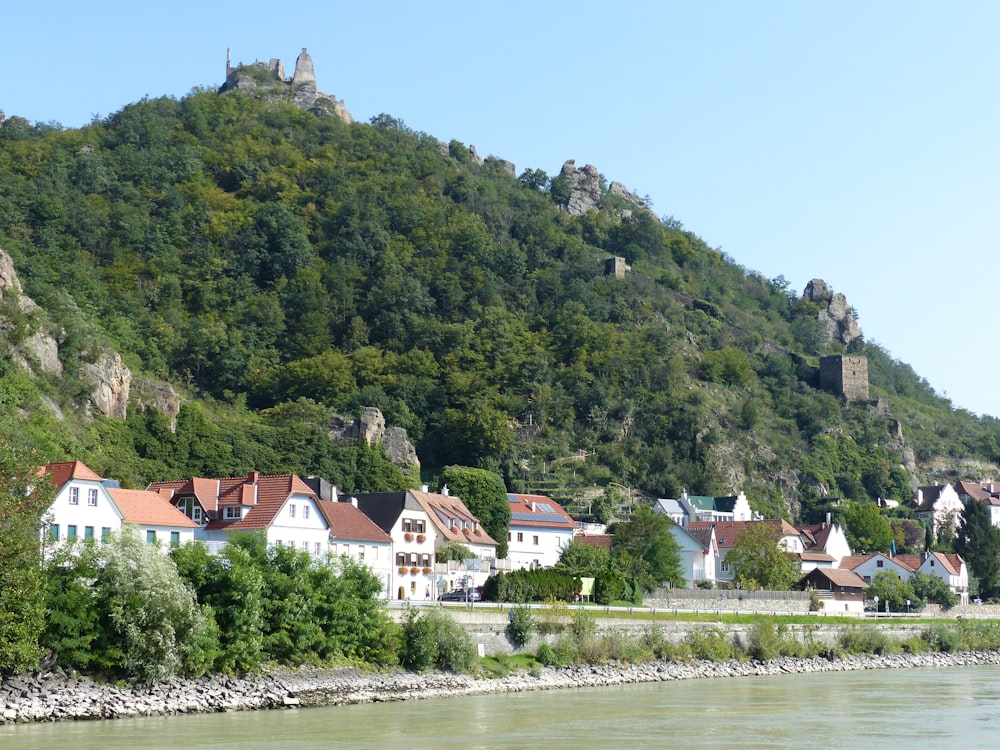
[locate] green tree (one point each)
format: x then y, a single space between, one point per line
891 590
583 560
453 551
485 495
646 536
866 528
978 541
23 500
759 561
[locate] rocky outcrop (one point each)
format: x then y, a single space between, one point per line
39 351
112 382
158 395
371 429
267 81
584 187
835 314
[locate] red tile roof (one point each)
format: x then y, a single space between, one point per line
538 511
838 577
148 509
63 471
726 532
594 540
347 523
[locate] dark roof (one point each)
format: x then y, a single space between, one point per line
835 576
384 508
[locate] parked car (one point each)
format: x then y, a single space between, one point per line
461 595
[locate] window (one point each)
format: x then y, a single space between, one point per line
510 537
305 546
54 532
175 539
277 542
420 527
196 514
407 524
92 497
880 563
150 536
233 511
291 544
534 540
105 533
305 511
88 532
724 566
374 554
361 552
318 549
427 561
400 558
291 510
70 532
520 536
74 495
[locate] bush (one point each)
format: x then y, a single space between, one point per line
553 618
711 644
521 625
943 637
521 586
546 655
436 640
766 640
864 639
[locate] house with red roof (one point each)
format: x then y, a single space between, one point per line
87 506
281 506
948 567
727 532
82 508
940 504
419 522
699 551
539 530
987 493
355 535
840 591
825 545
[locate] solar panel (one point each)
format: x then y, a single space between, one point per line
546 517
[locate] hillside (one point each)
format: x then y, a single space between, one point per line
260 268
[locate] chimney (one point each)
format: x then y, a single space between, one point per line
353 501
253 477
333 493
532 507
445 490
828 517
424 488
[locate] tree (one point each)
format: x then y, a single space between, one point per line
453 551
759 561
866 528
23 500
646 537
891 591
582 560
485 495
978 542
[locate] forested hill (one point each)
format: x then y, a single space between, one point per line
277 267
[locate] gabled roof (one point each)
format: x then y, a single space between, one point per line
538 511
726 532
704 537
264 494
452 519
908 562
384 508
973 490
815 535
836 576
63 471
148 509
348 524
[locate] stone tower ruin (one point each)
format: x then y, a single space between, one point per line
845 376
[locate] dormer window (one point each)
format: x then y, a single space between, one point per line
233 512
196 514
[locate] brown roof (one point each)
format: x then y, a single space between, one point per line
148 509
594 540
816 535
350 524
452 519
838 577
817 557
63 471
850 562
973 490
702 536
726 532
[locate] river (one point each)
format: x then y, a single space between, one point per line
922 708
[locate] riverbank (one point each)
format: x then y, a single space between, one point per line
59 697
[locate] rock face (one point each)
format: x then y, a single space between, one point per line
162 396
39 350
372 430
584 187
267 81
835 314
112 383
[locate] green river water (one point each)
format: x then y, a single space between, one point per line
922 708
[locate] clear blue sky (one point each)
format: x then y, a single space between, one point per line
854 141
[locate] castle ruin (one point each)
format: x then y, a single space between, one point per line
845 376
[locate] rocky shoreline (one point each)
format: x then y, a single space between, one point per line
56 696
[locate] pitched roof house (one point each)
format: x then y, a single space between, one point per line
419 523
987 492
727 532
699 552
82 508
702 508
355 535
157 521
281 506
950 568
539 530
843 591
938 503
825 539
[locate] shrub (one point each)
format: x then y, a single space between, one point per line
711 644
520 626
546 655
554 618
864 639
436 640
943 637
766 640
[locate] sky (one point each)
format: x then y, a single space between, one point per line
852 141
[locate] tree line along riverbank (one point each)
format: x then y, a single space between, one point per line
581 655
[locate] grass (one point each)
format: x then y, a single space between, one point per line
501 665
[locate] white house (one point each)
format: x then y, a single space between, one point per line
689 509
282 506
157 521
539 530
823 541
82 508
355 535
727 532
987 493
699 552
950 568
940 504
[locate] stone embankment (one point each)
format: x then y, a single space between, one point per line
58 697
